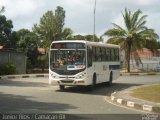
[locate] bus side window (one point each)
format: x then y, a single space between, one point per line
93 54
98 53
115 55
118 55
89 56
108 50
112 54
103 54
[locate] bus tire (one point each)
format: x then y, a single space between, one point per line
94 80
62 87
109 83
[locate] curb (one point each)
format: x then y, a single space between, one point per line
135 105
24 76
131 74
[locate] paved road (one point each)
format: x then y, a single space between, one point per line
34 95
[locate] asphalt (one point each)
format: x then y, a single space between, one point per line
24 76
121 97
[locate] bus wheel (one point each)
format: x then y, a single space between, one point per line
109 83
61 87
94 80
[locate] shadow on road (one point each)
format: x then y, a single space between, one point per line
22 104
100 89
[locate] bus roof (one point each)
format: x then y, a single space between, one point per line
89 43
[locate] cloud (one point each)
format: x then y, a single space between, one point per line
79 13
147 2
16 8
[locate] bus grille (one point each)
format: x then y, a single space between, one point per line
66 77
65 81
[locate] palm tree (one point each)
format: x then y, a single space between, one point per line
133 37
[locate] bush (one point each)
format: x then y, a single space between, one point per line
7 69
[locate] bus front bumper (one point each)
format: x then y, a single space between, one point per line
68 82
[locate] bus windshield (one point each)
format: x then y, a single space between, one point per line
67 62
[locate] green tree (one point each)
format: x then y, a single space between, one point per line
67 34
90 38
13 39
86 37
50 27
152 45
45 30
5 29
133 37
79 37
28 42
158 45
59 22
23 41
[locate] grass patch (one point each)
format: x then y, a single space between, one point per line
149 93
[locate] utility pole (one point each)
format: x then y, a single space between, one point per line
94 21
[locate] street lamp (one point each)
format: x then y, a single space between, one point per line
94 21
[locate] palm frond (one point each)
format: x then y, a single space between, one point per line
135 17
115 32
127 19
116 40
140 20
141 25
117 26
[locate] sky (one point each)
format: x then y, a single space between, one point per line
80 13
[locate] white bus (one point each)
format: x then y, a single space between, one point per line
84 63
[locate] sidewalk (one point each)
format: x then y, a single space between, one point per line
149 73
123 98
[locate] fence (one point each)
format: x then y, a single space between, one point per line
147 65
17 58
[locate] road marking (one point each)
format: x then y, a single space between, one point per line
112 98
130 104
119 101
147 107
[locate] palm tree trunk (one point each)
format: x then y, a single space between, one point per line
129 57
129 44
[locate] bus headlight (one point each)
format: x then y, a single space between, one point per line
80 76
53 75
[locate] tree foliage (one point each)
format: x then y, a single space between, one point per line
50 27
27 40
67 34
59 22
5 29
134 36
85 37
